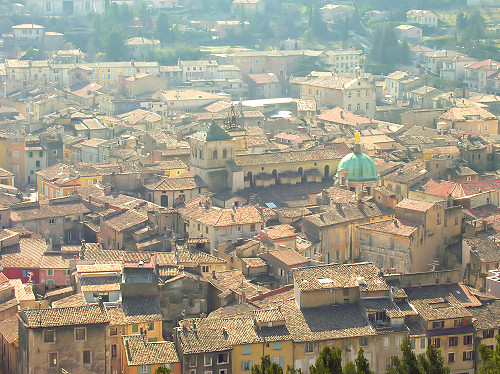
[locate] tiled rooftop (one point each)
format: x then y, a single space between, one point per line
58 317
139 352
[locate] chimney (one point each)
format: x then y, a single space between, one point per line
213 275
101 303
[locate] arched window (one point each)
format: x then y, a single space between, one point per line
214 155
224 154
201 154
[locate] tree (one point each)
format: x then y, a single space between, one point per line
490 358
408 364
362 364
162 27
292 370
162 370
433 362
404 52
274 369
430 363
32 54
349 368
265 363
328 362
114 45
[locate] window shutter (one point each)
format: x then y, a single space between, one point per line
464 356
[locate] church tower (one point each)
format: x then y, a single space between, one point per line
212 149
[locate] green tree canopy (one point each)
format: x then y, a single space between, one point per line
328 362
162 28
162 370
430 363
490 358
114 45
362 364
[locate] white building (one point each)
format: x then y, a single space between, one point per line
52 8
201 69
409 32
422 17
343 60
28 34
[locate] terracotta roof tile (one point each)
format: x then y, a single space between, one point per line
55 317
396 226
9 329
138 352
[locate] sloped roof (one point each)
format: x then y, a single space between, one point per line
212 133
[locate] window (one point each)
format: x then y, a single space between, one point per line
113 331
50 272
422 343
363 341
54 152
439 218
456 221
398 341
151 326
277 346
192 362
246 350
37 163
80 333
467 356
278 360
49 336
207 360
30 154
86 357
436 342
488 334
52 221
246 365
47 9
309 347
222 358
452 341
53 360
451 357
144 369
223 371
385 342
438 325
205 269
135 328
468 340
15 154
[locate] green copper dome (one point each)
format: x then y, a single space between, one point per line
360 168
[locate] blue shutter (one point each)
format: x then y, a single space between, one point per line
242 365
250 364
281 361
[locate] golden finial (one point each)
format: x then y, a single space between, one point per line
357 137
